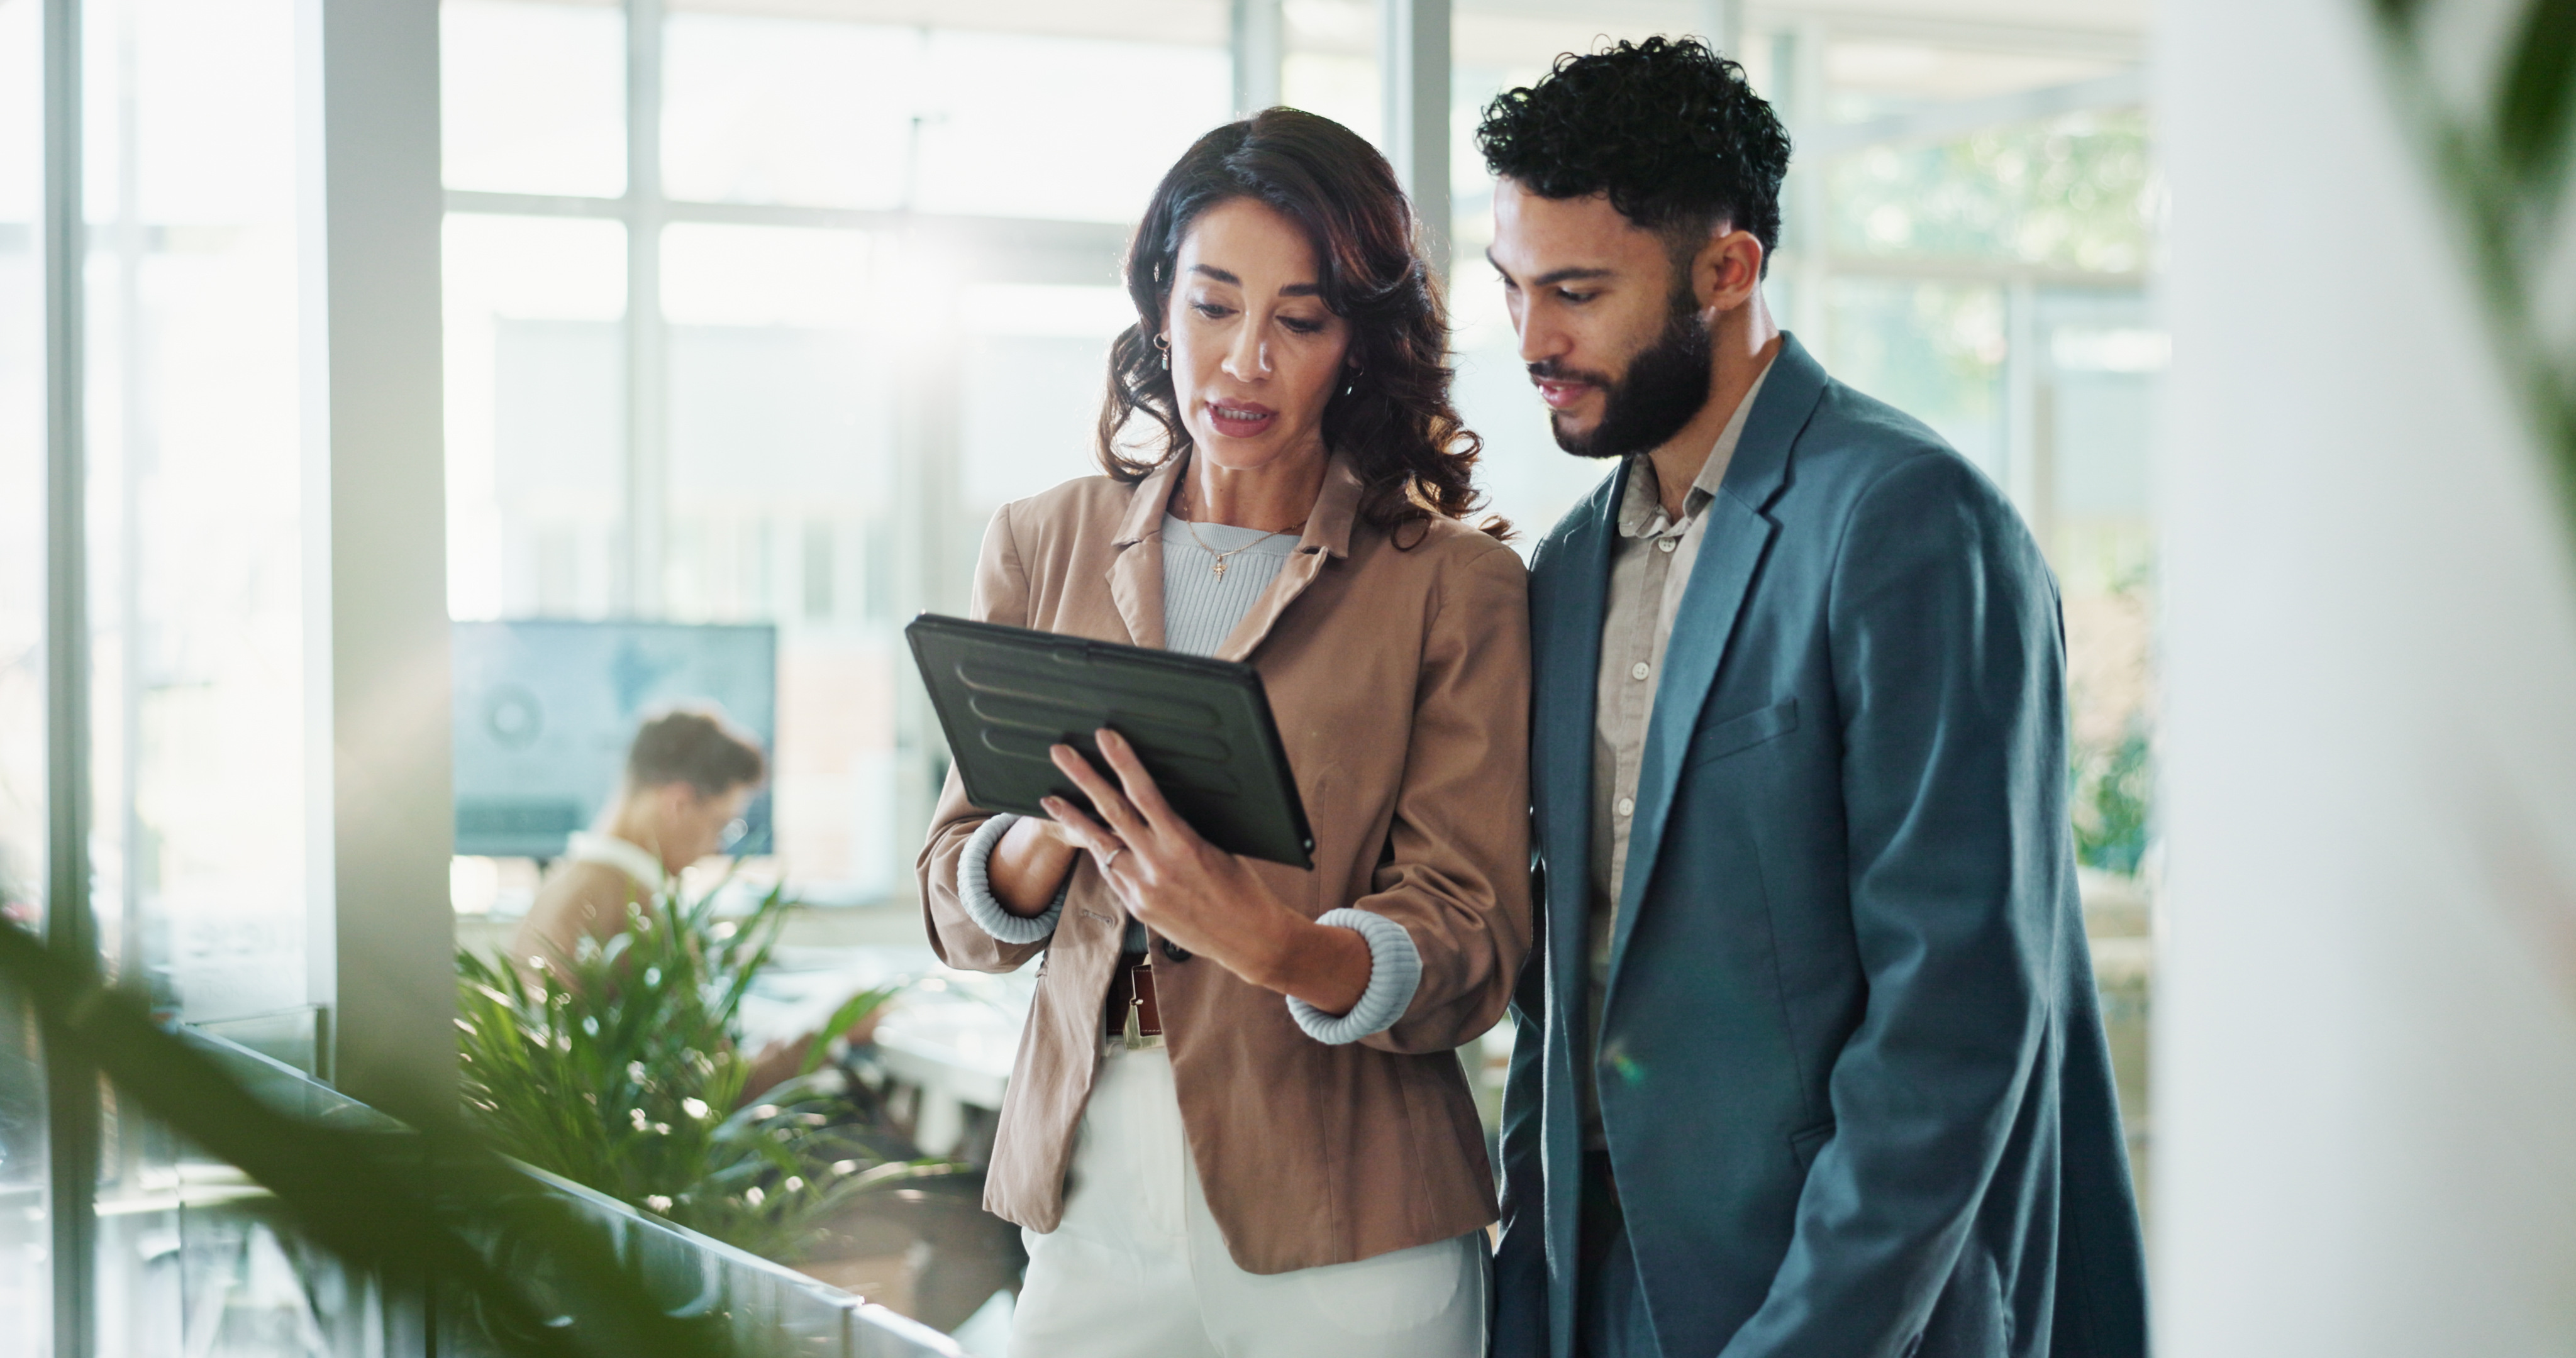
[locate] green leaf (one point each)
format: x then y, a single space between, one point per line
391 1200
2539 92
845 1018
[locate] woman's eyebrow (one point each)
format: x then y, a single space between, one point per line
1292 290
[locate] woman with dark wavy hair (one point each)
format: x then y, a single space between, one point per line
1237 1126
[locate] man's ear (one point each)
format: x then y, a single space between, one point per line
1727 270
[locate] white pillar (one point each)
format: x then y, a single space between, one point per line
1413 62
383 926
648 370
1798 78
1258 35
2366 1028
1722 23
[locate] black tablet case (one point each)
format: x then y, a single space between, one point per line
1202 727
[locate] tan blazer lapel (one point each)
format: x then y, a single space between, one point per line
1136 573
1328 533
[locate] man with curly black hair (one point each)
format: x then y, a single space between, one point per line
1810 1059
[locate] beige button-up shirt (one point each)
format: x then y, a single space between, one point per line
1650 566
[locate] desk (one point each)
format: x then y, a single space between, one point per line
946 1045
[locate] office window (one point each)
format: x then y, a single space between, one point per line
780 480
2070 193
548 112
26 1276
1331 64
197 565
1036 372
196 546
1932 349
762 109
776 110
536 416
757 415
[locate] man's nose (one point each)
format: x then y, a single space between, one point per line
1541 339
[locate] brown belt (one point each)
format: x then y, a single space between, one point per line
1131 989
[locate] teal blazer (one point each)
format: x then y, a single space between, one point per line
1852 1068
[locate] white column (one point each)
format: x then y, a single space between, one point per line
1413 62
71 1094
647 339
1258 35
1722 23
935 551
382 919
2366 1037
1798 72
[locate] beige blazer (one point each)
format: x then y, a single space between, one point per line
1400 681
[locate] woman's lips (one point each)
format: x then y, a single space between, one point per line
1560 395
1240 419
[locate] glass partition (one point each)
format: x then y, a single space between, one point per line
230 1275
196 491
26 1274
193 447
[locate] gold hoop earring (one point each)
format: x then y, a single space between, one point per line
1164 343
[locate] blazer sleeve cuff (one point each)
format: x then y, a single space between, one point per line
975 889
1395 972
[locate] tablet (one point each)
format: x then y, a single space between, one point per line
1202 727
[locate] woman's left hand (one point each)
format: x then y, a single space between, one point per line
1198 896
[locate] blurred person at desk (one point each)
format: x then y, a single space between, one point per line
1237 1125
690 776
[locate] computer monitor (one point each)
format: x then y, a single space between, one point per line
545 711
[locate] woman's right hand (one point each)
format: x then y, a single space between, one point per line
1029 864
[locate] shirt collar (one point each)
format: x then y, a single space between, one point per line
627 857
1641 510
1328 524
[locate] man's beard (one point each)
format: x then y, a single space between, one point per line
1665 386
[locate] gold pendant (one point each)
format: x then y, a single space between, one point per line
1219 570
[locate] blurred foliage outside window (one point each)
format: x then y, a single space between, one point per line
2077 193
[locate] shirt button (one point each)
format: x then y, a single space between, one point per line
1639 670
1627 805
1665 545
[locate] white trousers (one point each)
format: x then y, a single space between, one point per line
1138 1268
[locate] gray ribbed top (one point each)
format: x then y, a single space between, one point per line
1200 607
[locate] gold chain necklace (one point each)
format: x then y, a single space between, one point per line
1218 570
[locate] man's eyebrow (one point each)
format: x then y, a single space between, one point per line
1292 290
1553 277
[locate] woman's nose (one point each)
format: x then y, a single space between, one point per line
1248 358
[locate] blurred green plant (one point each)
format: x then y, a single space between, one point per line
2500 153
2114 787
2075 192
621 1068
408 1205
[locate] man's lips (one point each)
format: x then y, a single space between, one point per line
1560 393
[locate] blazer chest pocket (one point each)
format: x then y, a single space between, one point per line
1738 734
1804 1144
